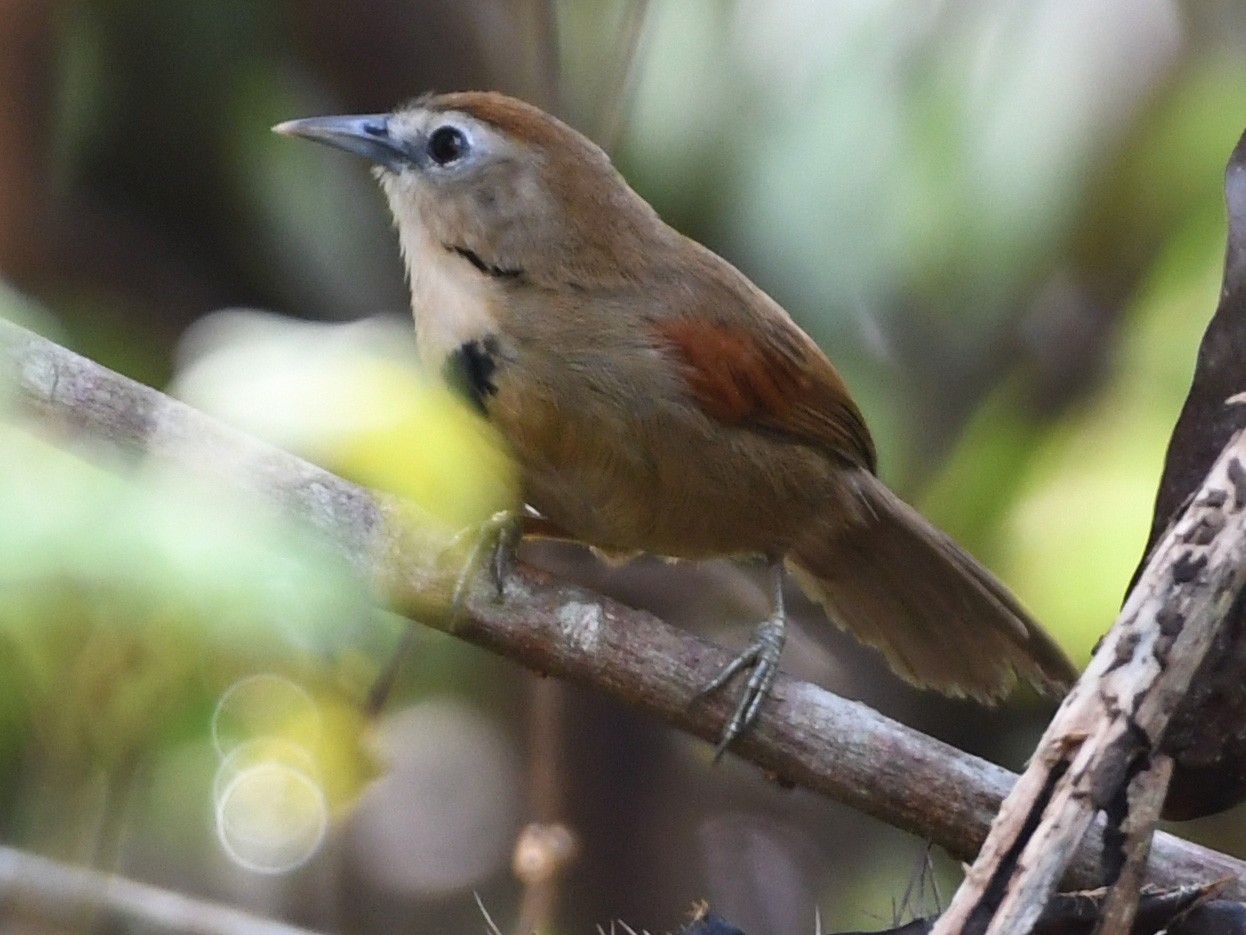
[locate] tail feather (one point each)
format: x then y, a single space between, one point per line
942 620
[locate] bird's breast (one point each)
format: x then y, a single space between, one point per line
453 303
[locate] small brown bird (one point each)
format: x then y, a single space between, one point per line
657 401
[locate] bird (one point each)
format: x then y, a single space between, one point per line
656 401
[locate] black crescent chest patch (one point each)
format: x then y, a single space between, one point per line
470 368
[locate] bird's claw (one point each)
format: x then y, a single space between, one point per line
505 546
762 659
498 537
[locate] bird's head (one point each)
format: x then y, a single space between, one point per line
514 186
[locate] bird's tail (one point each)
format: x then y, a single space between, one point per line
942 620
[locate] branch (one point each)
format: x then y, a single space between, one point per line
1205 738
806 735
57 894
1110 726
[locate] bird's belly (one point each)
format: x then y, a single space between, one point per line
680 490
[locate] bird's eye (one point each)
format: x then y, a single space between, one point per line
446 145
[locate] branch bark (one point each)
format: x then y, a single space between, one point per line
806 735
1110 726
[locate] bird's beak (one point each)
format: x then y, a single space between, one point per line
366 135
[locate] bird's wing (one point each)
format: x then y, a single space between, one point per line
769 375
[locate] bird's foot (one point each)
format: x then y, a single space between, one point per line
495 540
761 658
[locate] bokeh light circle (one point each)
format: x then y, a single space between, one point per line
264 705
271 818
259 752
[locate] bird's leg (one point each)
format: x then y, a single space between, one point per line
761 658
498 538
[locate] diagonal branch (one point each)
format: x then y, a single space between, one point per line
1110 726
807 736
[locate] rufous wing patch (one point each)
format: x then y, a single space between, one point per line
779 381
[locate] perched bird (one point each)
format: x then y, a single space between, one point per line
657 401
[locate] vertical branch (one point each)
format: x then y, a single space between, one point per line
547 845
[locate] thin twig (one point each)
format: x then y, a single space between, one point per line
546 803
489 923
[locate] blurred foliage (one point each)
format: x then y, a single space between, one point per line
349 398
140 608
1002 220
131 599
1091 484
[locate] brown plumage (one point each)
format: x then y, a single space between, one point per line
656 400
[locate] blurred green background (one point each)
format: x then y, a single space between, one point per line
1002 220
